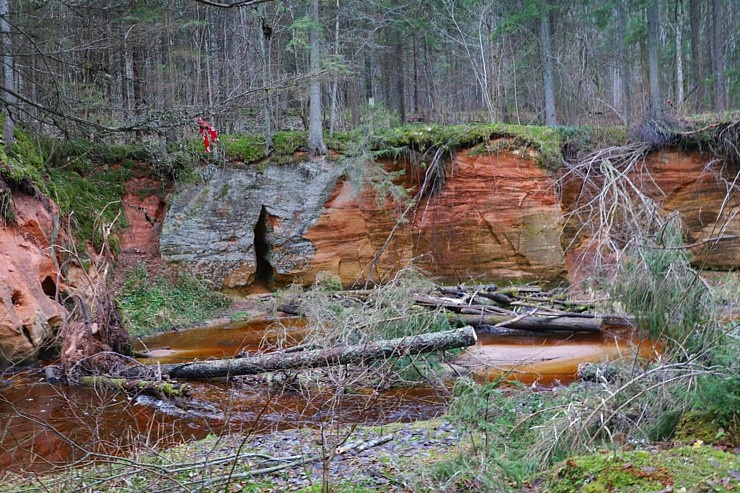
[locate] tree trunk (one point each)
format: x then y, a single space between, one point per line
679 53
316 145
400 81
415 102
547 70
8 77
718 61
266 81
159 389
622 65
694 25
361 353
335 82
653 19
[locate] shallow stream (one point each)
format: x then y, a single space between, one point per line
43 426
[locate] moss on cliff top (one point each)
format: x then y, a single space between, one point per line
251 148
546 141
81 177
22 168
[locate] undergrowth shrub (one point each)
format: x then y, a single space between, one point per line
153 304
334 318
655 282
387 312
718 393
500 427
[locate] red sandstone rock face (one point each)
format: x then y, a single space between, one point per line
693 184
497 218
28 313
144 211
697 187
348 234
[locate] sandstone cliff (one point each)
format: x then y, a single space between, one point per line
498 217
28 313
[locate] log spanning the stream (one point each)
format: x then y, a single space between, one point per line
361 353
534 323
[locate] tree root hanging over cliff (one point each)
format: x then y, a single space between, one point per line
92 338
434 178
611 209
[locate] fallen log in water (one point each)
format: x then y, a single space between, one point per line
533 323
361 353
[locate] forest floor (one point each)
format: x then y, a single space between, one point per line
420 455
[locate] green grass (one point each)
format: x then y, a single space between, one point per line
90 201
151 305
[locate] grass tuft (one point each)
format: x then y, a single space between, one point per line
154 304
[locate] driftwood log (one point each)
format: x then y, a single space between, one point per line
517 308
532 323
361 353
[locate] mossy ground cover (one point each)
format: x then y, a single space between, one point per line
546 142
697 467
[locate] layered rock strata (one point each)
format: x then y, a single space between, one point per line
498 217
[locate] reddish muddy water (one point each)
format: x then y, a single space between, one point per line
43 426
554 359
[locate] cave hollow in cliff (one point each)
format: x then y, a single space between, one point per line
263 250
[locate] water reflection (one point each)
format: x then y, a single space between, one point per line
554 359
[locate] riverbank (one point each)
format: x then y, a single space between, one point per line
399 457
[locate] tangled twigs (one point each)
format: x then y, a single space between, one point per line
610 209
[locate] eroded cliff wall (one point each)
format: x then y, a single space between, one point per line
211 226
498 217
28 277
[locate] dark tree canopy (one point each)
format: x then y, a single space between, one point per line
96 67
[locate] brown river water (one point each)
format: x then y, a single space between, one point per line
44 426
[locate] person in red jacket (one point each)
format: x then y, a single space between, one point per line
208 132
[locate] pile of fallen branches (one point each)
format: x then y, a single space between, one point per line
493 308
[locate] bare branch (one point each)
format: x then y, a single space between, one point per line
242 3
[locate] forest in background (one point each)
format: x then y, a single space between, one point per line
149 68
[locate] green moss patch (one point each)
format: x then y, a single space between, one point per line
689 468
95 199
23 167
250 148
546 141
151 304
